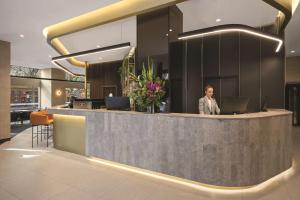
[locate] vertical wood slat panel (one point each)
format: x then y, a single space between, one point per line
229 65
211 63
104 74
250 70
272 68
194 73
254 69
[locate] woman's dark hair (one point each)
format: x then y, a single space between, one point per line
207 87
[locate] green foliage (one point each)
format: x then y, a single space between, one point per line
148 88
24 71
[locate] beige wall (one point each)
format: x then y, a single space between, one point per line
46 92
293 69
59 85
49 88
5 90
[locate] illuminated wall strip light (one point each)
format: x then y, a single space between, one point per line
93 51
226 30
196 185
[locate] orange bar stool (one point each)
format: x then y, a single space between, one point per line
40 119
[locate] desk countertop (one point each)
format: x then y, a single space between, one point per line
85 112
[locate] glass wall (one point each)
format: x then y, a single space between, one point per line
24 71
75 92
24 98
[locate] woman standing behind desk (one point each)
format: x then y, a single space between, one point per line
207 104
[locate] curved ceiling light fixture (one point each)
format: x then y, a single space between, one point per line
93 51
117 11
101 16
231 28
57 64
86 53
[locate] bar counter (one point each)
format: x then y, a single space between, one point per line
222 150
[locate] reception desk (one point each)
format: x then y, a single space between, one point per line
223 150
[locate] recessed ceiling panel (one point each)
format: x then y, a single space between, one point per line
29 18
106 56
105 35
292 35
198 14
72 68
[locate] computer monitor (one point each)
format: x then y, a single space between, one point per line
234 105
117 103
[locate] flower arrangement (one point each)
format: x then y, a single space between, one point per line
148 89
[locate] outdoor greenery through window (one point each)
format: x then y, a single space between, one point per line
36 73
74 78
24 71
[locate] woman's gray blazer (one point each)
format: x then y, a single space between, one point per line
204 106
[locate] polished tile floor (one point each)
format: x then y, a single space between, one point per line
48 174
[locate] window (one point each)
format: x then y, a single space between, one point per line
76 92
24 98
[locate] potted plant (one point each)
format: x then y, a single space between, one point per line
148 89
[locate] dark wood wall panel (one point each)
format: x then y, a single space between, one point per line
151 38
194 74
154 35
250 70
235 64
176 76
211 63
272 68
103 78
211 56
156 30
229 65
229 54
151 33
229 88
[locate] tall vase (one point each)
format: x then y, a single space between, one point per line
151 108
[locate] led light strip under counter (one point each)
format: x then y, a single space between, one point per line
197 185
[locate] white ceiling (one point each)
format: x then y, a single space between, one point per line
114 33
30 17
199 14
